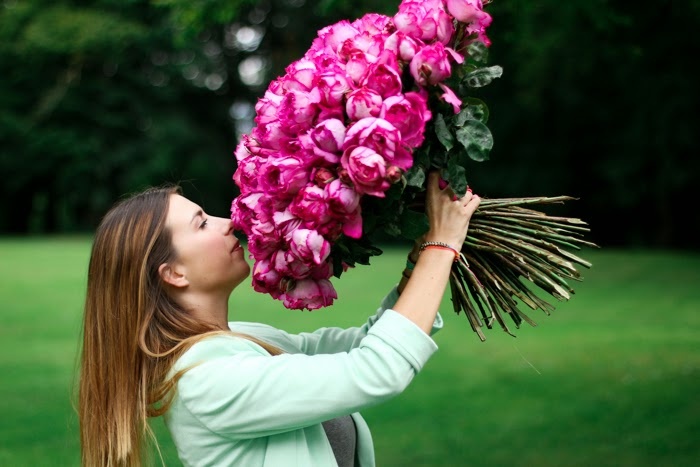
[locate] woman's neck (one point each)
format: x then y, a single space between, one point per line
207 307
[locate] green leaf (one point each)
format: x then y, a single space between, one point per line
443 133
413 224
482 76
392 230
475 109
337 265
476 139
415 177
392 194
438 159
361 253
456 174
478 52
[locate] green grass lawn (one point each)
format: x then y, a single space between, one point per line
610 379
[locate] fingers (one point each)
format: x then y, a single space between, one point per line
436 185
469 201
472 204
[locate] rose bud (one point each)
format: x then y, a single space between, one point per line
393 174
323 176
344 176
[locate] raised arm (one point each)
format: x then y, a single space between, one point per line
422 292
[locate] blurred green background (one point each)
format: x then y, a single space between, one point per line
610 379
597 101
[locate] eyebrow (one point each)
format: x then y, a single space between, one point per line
199 213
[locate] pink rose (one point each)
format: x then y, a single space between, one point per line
310 204
373 23
309 246
329 135
286 222
425 20
342 199
366 169
301 75
261 247
283 176
322 271
380 136
404 46
333 36
471 13
289 265
431 65
333 85
266 279
344 205
241 152
356 66
369 45
266 108
363 102
309 294
298 111
263 239
464 11
269 138
246 174
244 209
383 78
321 145
408 113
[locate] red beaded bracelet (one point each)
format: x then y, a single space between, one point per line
440 246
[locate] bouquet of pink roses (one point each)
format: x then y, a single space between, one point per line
340 152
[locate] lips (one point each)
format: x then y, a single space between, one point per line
236 246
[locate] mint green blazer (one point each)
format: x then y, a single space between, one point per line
241 407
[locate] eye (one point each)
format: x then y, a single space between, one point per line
203 224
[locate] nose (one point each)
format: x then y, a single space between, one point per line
226 225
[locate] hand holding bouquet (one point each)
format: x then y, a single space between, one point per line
340 152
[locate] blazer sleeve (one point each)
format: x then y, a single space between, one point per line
238 391
334 339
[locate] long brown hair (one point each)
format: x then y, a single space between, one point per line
133 331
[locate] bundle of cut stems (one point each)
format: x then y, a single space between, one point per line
506 242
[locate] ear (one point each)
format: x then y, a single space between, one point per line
173 275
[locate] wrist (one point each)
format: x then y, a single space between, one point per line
434 237
441 246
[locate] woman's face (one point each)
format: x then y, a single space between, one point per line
207 252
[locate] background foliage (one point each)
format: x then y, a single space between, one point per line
100 98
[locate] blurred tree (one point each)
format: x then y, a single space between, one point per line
103 97
96 101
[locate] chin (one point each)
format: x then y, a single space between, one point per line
242 273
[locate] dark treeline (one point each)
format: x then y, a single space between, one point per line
101 98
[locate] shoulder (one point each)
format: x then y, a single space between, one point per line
214 347
267 333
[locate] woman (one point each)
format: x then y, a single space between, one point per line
157 341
